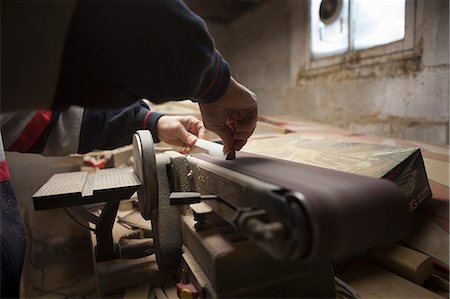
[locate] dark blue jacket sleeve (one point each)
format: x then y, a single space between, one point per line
114 128
119 51
75 130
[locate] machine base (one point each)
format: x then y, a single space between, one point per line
228 265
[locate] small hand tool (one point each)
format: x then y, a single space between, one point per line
214 149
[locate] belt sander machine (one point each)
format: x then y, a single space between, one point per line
249 227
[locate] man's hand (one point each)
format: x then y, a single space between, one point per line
233 117
180 131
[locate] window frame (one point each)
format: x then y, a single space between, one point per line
406 48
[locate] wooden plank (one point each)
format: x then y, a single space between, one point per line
268 128
138 293
159 294
118 275
437 171
171 291
405 262
428 237
370 281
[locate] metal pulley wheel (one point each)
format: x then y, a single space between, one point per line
153 197
145 168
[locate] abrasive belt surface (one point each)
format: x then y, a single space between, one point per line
346 212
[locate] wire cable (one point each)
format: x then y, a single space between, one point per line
40 289
347 288
77 221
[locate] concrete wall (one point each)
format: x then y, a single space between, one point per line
405 98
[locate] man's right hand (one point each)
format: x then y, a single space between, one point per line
233 117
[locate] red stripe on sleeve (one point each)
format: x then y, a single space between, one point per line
214 80
4 173
144 125
31 132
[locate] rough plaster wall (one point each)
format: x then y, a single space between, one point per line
406 99
260 54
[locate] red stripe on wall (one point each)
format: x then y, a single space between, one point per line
31 132
4 173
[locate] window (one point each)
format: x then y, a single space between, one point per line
340 26
377 22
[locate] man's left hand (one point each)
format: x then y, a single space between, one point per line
180 131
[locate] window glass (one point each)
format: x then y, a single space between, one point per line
372 23
377 22
329 30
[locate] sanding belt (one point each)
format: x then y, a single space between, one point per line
346 212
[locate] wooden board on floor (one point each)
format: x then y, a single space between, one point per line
370 281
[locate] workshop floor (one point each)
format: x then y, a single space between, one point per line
58 262
57 266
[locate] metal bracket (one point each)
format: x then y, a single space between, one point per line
187 198
106 248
